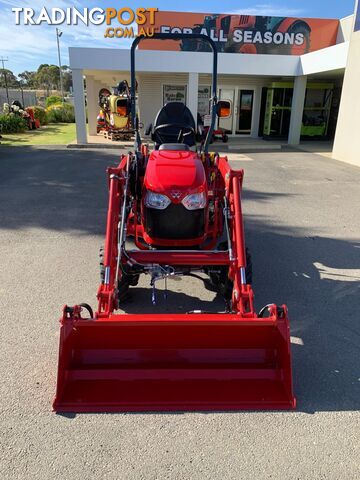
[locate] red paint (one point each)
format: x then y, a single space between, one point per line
169 170
176 362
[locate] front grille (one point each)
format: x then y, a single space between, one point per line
175 223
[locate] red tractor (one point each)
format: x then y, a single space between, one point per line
174 211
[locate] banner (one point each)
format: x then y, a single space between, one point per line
245 33
174 93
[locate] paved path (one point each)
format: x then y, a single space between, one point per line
302 223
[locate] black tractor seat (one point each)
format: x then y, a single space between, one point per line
174 124
182 147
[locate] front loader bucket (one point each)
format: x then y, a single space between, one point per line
174 362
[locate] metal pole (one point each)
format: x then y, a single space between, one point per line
22 96
2 59
176 36
58 35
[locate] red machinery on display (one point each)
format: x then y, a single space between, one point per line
114 117
174 212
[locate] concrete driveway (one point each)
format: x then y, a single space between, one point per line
302 222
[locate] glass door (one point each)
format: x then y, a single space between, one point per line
245 111
227 123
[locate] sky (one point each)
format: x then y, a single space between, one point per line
27 46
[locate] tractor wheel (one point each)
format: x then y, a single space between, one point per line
123 289
220 281
124 283
225 138
102 267
249 269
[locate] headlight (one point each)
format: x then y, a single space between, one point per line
156 200
195 201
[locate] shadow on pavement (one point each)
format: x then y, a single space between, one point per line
319 280
140 300
63 190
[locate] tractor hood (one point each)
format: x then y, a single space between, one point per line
181 170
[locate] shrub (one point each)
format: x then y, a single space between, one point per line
61 113
12 124
40 114
6 109
53 100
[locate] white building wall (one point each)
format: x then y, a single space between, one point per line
151 87
326 60
183 62
92 94
79 105
347 139
345 29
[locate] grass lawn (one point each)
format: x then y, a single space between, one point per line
53 134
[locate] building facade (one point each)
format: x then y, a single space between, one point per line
283 76
347 138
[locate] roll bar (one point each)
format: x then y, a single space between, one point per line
175 36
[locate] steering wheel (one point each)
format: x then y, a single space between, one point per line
184 130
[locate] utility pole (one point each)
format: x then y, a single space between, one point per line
58 35
3 60
21 85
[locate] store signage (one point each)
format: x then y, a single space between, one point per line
174 93
204 100
207 120
74 16
245 33
120 21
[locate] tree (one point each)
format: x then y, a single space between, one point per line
10 78
48 77
67 78
28 78
42 65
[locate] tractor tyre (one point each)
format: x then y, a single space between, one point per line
124 283
220 281
102 267
225 138
249 268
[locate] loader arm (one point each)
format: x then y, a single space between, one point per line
242 298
